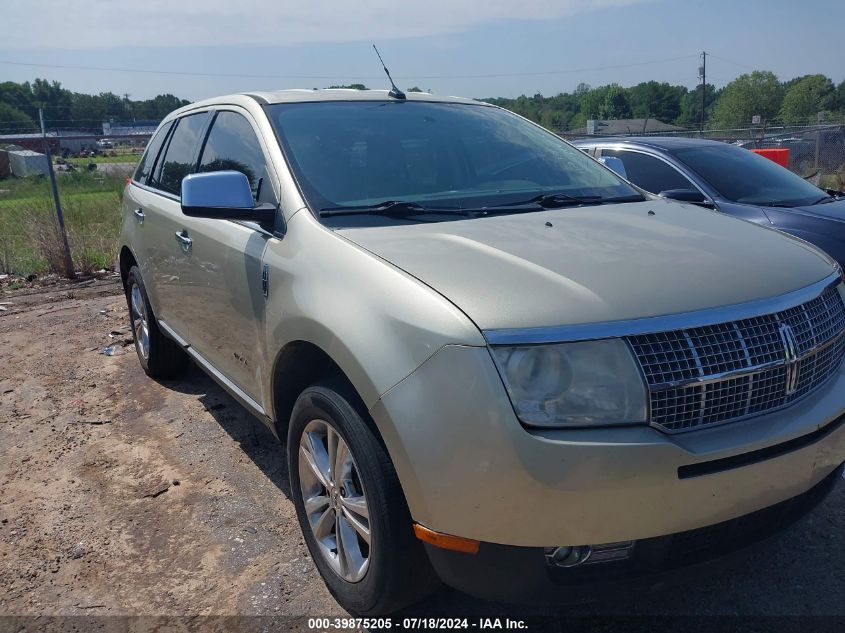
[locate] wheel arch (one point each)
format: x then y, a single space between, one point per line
126 261
297 365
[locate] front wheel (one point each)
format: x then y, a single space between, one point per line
350 506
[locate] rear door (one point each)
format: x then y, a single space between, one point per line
136 201
221 290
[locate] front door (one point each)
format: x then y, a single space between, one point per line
221 286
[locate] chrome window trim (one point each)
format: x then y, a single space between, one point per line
663 157
652 325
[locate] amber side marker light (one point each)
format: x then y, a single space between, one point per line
446 541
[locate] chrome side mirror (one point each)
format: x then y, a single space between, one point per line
614 163
222 195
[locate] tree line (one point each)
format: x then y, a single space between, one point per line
794 102
67 110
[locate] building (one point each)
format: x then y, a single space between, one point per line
74 141
5 166
623 127
32 141
130 128
25 162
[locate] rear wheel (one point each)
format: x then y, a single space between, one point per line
350 505
160 357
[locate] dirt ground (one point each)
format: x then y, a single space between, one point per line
120 495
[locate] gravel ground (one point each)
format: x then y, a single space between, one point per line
122 496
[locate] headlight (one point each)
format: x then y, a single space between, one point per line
573 384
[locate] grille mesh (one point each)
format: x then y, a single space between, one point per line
675 364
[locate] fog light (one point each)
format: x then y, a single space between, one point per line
570 556
575 555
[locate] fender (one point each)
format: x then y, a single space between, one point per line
314 295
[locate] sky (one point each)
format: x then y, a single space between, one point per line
202 48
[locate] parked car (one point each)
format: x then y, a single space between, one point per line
105 143
492 361
732 180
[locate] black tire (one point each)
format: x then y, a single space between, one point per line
165 358
399 572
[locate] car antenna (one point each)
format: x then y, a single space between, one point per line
394 91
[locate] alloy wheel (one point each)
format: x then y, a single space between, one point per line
140 324
334 500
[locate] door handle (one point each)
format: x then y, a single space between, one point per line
184 240
139 215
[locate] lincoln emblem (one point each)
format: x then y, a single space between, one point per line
790 349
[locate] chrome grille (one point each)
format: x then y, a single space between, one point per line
720 373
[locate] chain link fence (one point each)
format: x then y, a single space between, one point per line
816 153
90 179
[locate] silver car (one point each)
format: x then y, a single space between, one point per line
492 361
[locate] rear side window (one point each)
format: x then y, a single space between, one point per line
650 173
233 145
181 153
149 157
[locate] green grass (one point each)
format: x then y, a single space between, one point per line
68 200
29 238
833 181
120 158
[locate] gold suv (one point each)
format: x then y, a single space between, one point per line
492 360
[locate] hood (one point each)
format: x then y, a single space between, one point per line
828 210
596 264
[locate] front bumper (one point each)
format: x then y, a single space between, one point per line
522 574
468 467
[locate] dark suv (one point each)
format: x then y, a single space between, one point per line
729 179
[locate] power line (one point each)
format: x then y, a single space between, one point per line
56 121
335 77
730 61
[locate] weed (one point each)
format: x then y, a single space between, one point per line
30 241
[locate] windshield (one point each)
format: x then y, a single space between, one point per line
745 177
437 155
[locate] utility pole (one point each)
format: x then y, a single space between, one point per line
703 88
69 273
703 75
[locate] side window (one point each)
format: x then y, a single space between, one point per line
151 153
180 154
233 145
650 173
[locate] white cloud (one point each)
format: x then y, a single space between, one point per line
86 24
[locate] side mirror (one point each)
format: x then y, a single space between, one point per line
222 195
614 163
683 195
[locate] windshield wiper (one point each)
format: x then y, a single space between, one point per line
556 201
550 201
392 208
824 200
405 208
